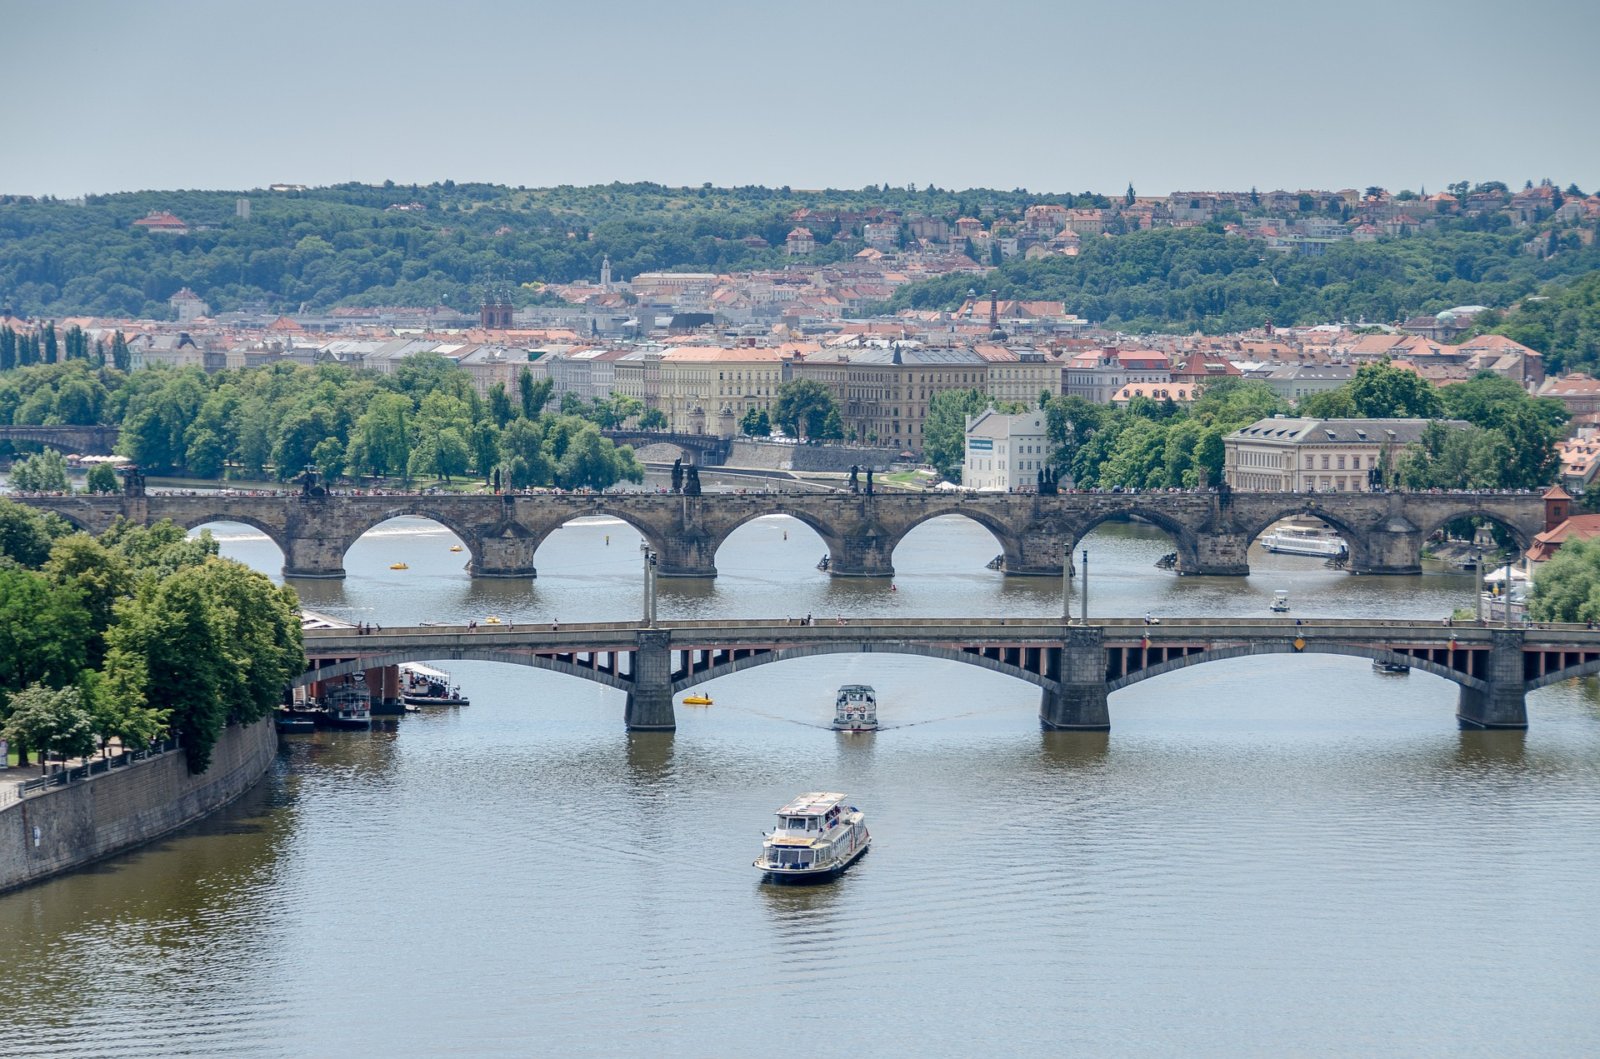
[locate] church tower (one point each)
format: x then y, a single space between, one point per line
495 315
605 272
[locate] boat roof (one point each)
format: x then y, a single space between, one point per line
816 803
424 671
845 688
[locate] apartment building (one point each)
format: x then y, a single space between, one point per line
1287 454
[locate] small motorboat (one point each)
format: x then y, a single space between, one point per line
295 722
491 620
1393 668
697 699
398 566
1280 602
817 838
455 547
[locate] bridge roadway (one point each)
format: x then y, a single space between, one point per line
1211 531
1075 665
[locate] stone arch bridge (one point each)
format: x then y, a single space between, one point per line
91 440
1212 532
1076 666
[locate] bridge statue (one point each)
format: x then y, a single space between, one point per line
677 475
691 486
855 478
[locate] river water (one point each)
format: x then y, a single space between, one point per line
1288 855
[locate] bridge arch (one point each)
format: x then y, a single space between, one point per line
473 654
1184 538
1585 669
999 528
419 508
1376 654
1523 538
275 534
823 530
539 532
1355 539
834 647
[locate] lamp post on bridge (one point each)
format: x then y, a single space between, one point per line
1085 586
1066 584
649 584
1477 596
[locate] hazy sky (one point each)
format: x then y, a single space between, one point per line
1052 96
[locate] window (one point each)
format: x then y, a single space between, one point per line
1324 466
1341 463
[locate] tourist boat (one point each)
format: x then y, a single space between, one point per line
1304 537
1397 668
422 685
347 705
818 836
1280 601
855 709
398 566
697 699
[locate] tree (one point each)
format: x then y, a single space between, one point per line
1383 391
755 423
534 395
121 357
102 479
1568 587
652 419
803 408
43 472
26 535
944 431
53 722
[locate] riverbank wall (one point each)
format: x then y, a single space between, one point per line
64 828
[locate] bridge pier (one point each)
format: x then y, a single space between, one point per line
314 557
1505 703
508 554
1078 702
865 553
1393 549
649 707
1215 555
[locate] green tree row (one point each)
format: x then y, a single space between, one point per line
424 421
133 636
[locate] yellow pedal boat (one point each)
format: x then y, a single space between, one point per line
697 700
398 566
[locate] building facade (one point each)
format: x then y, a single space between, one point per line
1005 453
1291 455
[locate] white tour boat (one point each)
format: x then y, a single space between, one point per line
1280 601
1304 537
855 709
817 837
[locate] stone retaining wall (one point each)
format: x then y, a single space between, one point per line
115 811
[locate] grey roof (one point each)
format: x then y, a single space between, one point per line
1339 431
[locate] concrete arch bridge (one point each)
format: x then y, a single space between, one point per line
1076 666
1212 531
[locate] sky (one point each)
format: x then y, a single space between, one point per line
1050 95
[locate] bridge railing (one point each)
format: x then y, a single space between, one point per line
1165 625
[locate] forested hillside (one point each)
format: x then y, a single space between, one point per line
398 245
1201 279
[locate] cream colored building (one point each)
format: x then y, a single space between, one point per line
1023 379
1286 454
708 389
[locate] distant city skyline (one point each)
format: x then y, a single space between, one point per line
106 96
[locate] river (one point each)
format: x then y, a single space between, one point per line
1287 855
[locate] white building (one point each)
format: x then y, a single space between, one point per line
1005 452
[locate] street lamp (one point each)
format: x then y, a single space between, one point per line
1085 586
